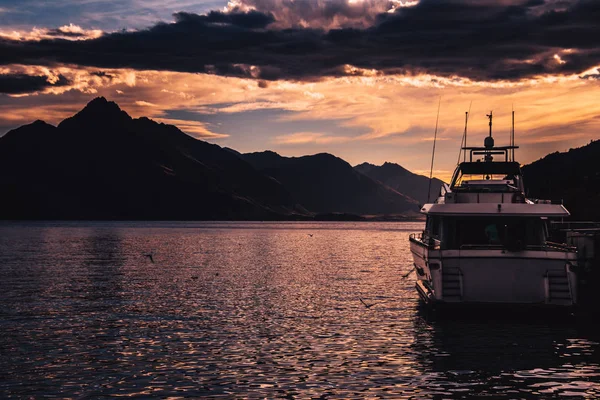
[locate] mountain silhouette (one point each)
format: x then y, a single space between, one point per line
324 183
402 180
103 164
572 176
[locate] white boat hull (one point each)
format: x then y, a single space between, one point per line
495 276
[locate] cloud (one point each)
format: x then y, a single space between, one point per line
17 84
321 14
34 79
250 19
488 41
75 32
143 103
301 138
65 32
193 128
387 118
107 15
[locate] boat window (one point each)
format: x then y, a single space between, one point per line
493 183
433 226
487 176
507 232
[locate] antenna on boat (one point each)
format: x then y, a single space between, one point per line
463 143
465 135
433 151
512 136
488 143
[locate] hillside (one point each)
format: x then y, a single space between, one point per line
402 180
325 183
103 164
572 176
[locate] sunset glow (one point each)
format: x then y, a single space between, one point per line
376 113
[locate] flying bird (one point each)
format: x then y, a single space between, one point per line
408 273
374 304
150 256
365 304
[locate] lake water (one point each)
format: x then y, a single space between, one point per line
256 310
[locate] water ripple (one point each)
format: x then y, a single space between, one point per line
255 310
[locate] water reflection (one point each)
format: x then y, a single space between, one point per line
513 357
255 311
101 288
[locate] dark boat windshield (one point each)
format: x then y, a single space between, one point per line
487 176
508 232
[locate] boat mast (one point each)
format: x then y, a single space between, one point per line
433 151
463 141
512 137
488 143
466 122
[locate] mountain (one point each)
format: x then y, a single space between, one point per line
103 164
402 180
324 183
572 176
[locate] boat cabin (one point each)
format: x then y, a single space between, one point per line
485 181
485 206
486 243
472 232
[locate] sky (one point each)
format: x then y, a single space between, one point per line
361 79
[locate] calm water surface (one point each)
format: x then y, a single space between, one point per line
256 310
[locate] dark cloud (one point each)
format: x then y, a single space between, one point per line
485 40
251 19
63 33
23 83
319 13
102 74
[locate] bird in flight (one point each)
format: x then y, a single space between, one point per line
365 304
373 304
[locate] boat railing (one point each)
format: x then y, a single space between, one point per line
560 246
548 246
575 225
425 240
481 247
416 236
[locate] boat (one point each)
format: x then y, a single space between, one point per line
486 244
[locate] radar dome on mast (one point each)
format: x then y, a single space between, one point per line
488 142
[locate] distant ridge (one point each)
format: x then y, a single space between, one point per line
103 164
402 180
324 183
572 176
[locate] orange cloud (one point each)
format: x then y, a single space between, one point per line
321 14
193 128
67 32
397 112
308 137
